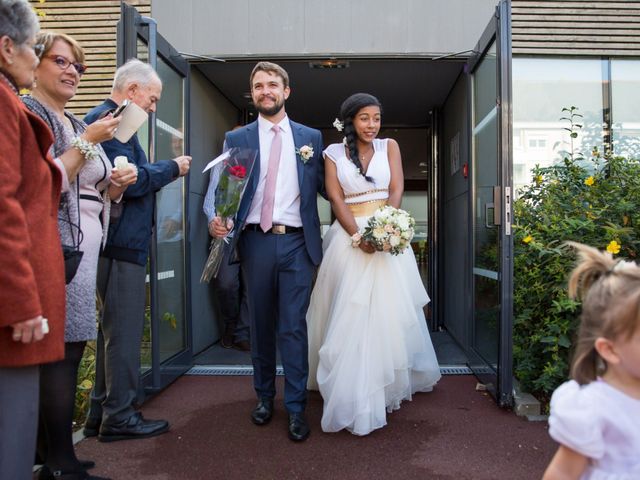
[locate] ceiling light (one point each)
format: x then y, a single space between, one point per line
331 63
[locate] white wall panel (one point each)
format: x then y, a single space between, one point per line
322 27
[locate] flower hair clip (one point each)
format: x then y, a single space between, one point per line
338 125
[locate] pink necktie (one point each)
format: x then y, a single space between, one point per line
266 214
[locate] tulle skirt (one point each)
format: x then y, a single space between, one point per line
369 347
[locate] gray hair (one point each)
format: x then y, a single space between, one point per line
18 21
134 71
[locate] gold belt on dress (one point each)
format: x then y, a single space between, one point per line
366 209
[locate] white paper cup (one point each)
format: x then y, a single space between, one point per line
132 119
120 162
45 326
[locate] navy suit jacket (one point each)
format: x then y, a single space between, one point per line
310 180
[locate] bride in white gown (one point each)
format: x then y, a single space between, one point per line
369 348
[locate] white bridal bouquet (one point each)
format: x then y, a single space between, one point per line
390 230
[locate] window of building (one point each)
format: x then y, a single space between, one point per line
542 87
625 107
537 143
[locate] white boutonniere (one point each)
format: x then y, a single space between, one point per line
305 152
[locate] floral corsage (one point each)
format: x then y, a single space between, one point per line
356 238
305 152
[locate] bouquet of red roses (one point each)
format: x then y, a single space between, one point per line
235 170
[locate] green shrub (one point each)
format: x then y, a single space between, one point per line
86 378
87 368
594 200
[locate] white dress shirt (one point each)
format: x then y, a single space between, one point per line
286 206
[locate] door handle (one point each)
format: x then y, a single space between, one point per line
489 209
497 201
494 207
492 210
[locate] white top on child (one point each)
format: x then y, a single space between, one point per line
601 423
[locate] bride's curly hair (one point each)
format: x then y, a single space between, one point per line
349 109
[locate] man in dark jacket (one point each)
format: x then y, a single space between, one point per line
122 269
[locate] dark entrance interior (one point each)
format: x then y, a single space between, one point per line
422 99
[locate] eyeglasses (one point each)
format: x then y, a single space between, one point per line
38 49
64 63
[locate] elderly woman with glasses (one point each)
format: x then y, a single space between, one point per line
31 265
90 185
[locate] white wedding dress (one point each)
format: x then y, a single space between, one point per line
369 347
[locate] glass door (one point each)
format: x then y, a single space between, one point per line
167 349
491 338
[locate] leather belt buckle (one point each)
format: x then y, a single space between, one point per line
279 229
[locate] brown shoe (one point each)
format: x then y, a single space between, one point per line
242 345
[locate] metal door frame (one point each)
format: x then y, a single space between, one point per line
498 29
131 27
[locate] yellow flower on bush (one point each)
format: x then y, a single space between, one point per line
527 239
538 179
613 247
589 180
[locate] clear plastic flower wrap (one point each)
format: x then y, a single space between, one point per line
237 165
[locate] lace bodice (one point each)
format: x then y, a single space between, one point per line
356 188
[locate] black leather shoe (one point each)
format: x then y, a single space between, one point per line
263 411
91 427
46 474
134 427
87 464
298 427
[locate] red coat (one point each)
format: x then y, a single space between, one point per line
31 264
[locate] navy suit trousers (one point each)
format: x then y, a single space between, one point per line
279 275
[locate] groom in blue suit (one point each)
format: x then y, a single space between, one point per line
277 235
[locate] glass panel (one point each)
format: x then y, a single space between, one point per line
541 88
143 137
486 233
485 84
170 222
625 107
324 211
487 318
417 204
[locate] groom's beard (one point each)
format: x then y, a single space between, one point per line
269 112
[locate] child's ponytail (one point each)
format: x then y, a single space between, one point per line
607 288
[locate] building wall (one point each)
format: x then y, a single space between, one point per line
93 24
574 27
325 27
211 115
322 27
456 256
